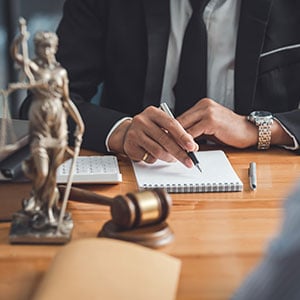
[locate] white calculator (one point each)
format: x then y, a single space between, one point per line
91 169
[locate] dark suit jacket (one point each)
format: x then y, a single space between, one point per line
124 44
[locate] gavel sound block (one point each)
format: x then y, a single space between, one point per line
137 217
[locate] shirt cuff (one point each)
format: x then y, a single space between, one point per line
296 144
113 129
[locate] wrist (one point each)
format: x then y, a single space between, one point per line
116 139
280 136
252 133
263 120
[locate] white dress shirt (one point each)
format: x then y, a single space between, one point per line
221 19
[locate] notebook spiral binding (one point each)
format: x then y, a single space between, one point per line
197 188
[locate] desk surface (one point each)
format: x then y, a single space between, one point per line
219 237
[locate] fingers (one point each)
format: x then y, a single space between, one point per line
138 141
148 158
208 118
172 129
144 158
153 131
202 110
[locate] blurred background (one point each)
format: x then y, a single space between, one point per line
40 15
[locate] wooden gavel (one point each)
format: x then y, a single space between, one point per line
131 210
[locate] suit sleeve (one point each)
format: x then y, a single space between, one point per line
82 36
291 120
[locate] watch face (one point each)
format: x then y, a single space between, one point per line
259 116
262 114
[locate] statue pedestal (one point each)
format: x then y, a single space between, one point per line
28 228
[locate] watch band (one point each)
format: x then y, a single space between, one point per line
264 135
263 120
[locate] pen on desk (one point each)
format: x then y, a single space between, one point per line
252 175
191 155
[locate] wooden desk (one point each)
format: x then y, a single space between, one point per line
218 236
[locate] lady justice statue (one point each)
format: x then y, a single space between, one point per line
41 220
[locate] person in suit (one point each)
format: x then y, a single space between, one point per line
277 274
250 57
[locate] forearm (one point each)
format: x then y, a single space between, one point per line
98 122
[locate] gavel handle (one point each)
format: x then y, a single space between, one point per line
81 195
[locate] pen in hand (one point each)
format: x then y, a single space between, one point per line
191 155
252 175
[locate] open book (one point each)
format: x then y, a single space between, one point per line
217 175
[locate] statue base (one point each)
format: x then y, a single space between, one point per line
33 228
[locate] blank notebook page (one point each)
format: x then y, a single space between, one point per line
217 175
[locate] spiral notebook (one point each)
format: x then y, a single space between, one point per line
217 175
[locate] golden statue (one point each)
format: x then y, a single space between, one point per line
48 136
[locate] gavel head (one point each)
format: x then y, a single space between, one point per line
139 209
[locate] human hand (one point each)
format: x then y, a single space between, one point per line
156 133
208 118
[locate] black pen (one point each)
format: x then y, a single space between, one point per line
164 106
252 175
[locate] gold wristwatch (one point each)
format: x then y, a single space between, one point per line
263 120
